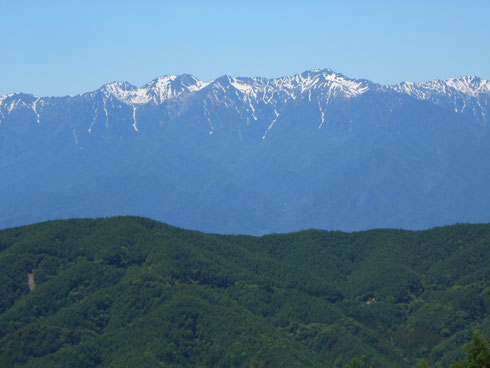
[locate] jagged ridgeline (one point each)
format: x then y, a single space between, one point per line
252 155
133 292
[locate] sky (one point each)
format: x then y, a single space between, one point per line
55 48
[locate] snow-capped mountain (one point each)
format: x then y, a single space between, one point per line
251 99
251 155
156 91
466 95
254 90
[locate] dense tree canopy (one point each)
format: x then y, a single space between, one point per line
133 292
478 354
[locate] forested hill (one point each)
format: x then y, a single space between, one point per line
133 292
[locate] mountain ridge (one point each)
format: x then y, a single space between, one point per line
466 78
458 92
245 155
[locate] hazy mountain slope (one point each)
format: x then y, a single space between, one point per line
251 155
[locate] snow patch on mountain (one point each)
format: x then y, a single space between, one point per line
469 86
34 108
4 97
291 87
242 86
135 122
464 95
277 114
156 91
257 98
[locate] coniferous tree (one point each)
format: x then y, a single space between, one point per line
355 363
478 353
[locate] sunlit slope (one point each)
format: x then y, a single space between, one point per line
130 291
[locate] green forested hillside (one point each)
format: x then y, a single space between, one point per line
133 292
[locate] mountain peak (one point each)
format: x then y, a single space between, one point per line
463 85
470 85
156 91
118 86
224 79
320 86
123 91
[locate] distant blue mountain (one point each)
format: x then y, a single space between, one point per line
252 155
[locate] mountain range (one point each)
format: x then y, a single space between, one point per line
252 155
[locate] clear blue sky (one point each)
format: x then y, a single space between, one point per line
69 47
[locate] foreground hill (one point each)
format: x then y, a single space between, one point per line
252 155
133 292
